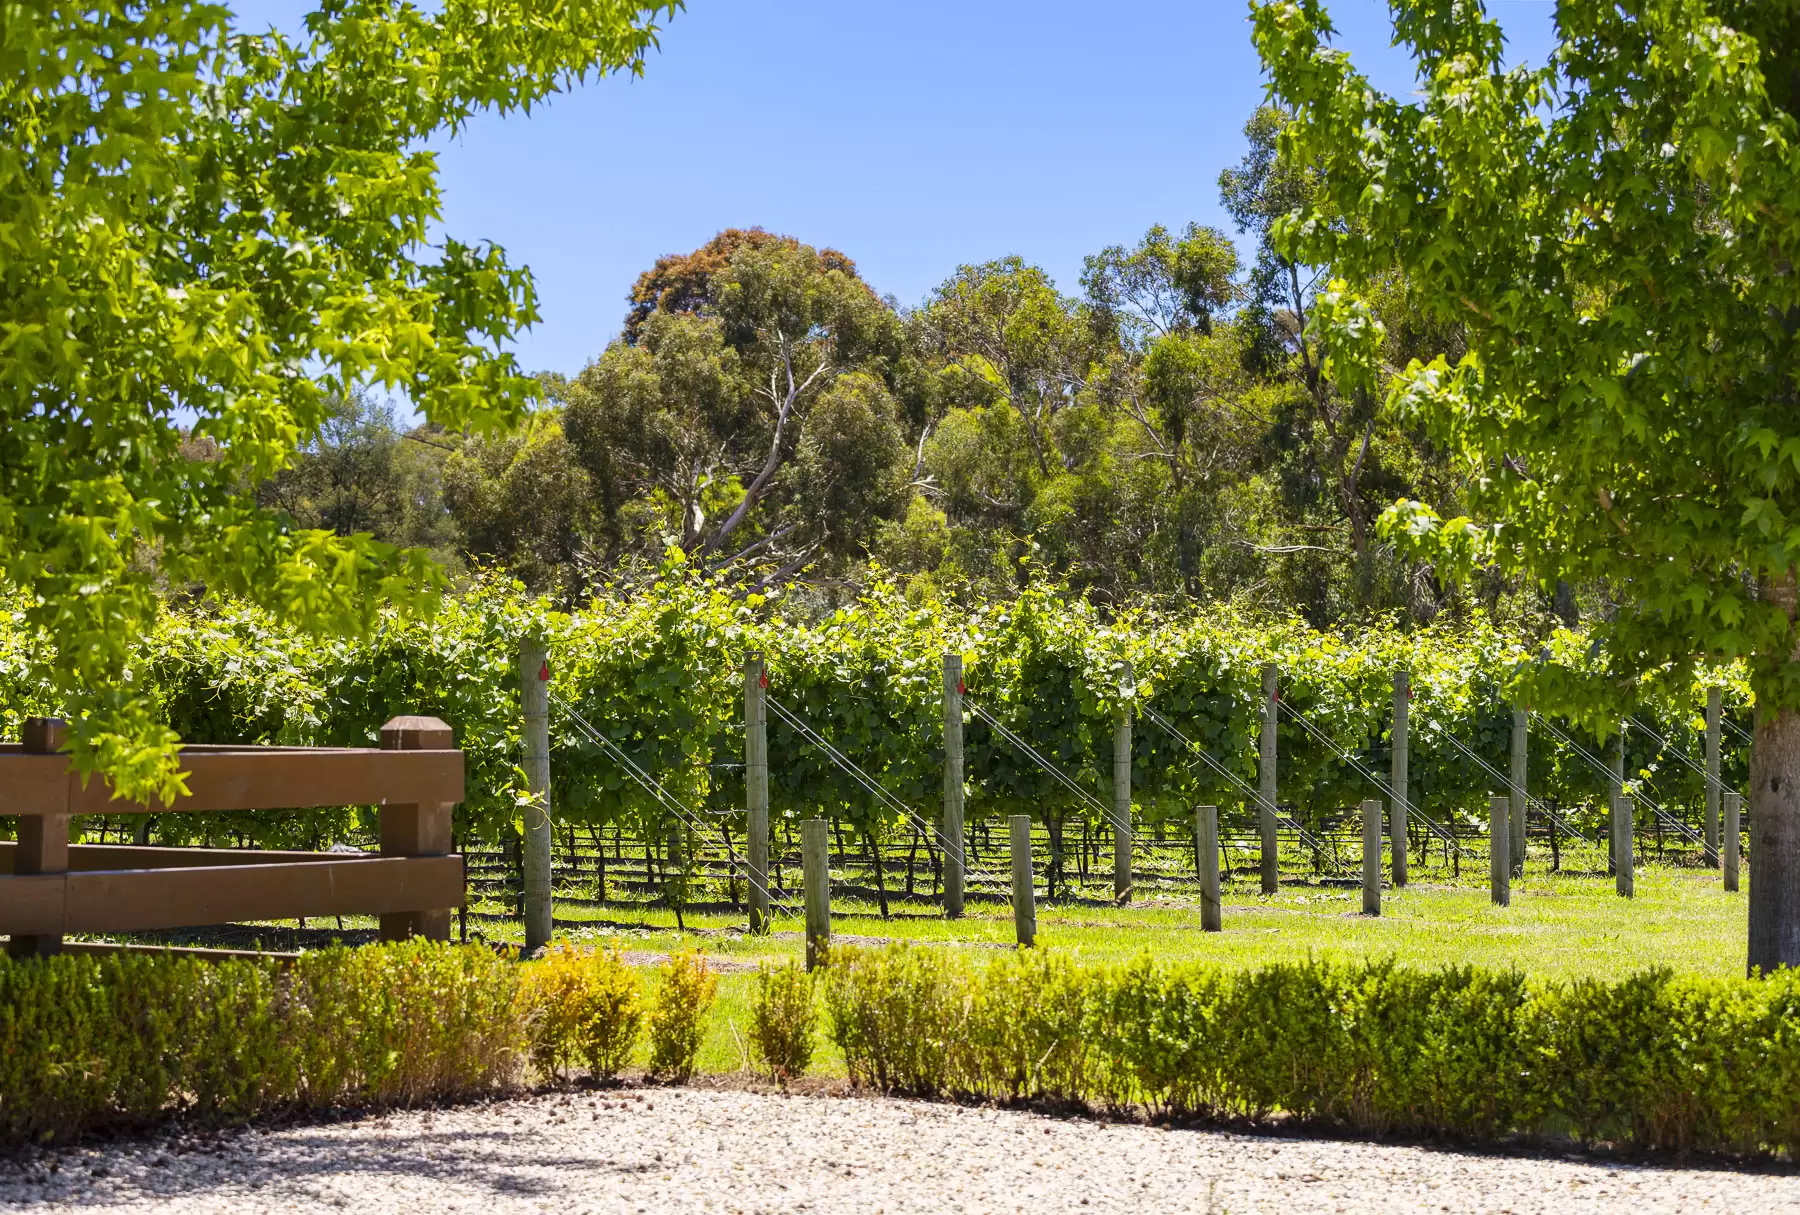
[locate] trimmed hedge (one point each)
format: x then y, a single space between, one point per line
90 1041
1653 1061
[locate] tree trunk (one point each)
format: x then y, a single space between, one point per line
880 879
731 866
1775 841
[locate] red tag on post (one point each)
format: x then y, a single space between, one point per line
544 671
762 681
959 688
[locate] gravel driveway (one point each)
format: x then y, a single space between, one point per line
689 1150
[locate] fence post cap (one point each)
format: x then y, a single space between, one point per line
44 735
417 734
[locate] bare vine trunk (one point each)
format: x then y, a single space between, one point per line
1775 841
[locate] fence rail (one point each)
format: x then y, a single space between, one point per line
50 887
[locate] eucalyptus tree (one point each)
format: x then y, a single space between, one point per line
1616 231
708 424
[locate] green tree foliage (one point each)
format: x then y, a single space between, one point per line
360 473
210 236
1175 431
658 671
523 500
747 409
1615 233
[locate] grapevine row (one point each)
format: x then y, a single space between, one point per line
660 672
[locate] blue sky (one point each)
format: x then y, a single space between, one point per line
914 135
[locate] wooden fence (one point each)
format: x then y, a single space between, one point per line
50 887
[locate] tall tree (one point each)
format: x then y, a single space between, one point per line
1009 335
211 231
524 502
1165 285
1323 434
690 282
1617 231
714 408
360 473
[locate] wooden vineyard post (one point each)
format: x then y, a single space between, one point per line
1624 816
1266 786
1397 779
1122 802
423 828
1499 835
815 863
953 786
534 692
1615 792
43 845
1206 836
756 789
675 870
1714 710
1024 898
1730 846
1517 776
1371 858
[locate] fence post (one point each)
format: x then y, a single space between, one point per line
1516 791
423 828
1371 857
1624 816
1206 835
1397 779
1266 786
756 790
815 863
1024 897
1730 848
1615 792
534 695
675 889
1499 834
43 844
1122 802
1714 710
953 786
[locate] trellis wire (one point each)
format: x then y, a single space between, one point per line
875 787
1494 772
1255 795
1680 828
655 788
1449 837
1060 776
1679 754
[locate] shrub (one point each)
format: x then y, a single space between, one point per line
898 1015
581 1008
1157 1039
1026 1030
1649 1061
678 1014
90 1041
783 1020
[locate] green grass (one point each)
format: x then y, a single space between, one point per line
1558 926
1561 926
1566 925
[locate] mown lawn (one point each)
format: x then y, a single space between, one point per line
1562 925
1559 926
